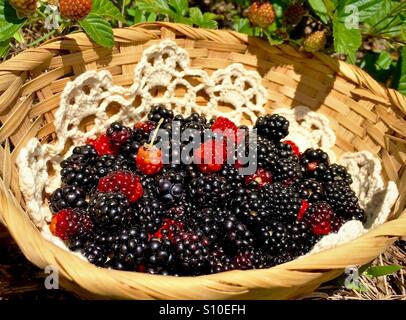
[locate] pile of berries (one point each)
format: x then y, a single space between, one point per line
123 207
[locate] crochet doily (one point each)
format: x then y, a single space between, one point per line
167 66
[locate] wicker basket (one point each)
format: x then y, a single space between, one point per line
363 114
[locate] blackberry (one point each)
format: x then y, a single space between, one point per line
343 201
319 218
273 127
149 213
233 177
310 190
336 172
78 168
95 254
287 170
301 239
282 258
67 197
130 149
220 262
273 237
236 235
128 249
192 252
110 209
208 221
182 211
108 163
170 187
315 162
253 209
118 134
283 201
159 112
250 259
267 154
210 190
159 256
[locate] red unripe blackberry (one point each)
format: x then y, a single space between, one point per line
75 9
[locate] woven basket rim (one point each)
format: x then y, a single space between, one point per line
312 265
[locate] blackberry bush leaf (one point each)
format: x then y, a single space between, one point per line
180 6
400 80
320 9
205 20
4 48
9 22
346 41
380 271
106 8
98 29
157 6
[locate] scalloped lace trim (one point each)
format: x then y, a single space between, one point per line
168 66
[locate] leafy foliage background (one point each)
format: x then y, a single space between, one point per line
369 33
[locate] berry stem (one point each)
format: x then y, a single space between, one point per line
156 133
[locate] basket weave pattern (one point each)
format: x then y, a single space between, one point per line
363 114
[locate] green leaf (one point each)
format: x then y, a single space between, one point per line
384 61
320 9
156 6
357 287
346 41
389 20
98 29
4 48
180 6
379 271
18 36
272 38
105 8
152 17
400 77
243 25
364 9
9 22
205 20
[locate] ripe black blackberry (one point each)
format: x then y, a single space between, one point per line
287 170
210 190
95 253
78 168
343 201
128 249
301 240
267 154
273 237
159 256
273 127
208 221
192 253
220 262
159 112
111 210
68 197
149 213
236 235
310 190
283 201
250 258
253 209
336 172
170 187
315 162
233 176
182 211
108 163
